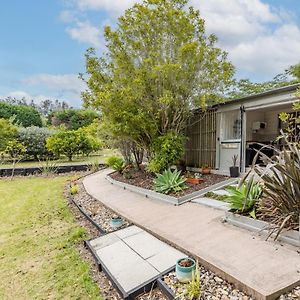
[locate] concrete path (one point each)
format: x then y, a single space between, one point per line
134 257
262 269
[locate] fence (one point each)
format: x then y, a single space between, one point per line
201 145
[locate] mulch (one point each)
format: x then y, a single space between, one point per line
143 179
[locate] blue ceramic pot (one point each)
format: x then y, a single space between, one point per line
185 273
116 222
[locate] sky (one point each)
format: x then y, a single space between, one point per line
42 43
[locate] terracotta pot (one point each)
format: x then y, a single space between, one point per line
194 180
206 171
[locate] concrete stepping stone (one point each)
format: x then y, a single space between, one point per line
133 258
221 192
210 202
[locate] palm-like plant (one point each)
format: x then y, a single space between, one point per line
281 203
169 182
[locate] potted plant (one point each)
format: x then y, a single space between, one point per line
116 221
205 169
194 179
234 170
185 268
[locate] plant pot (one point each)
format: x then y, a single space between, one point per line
116 222
206 171
181 166
194 180
185 273
234 172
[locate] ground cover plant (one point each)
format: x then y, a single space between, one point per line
38 254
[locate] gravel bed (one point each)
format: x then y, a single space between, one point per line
212 287
293 295
96 210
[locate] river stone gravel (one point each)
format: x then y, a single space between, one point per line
96 210
212 287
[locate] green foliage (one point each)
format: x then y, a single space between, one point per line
192 290
15 149
116 163
8 132
242 199
159 66
245 87
94 165
167 150
169 182
72 142
24 115
34 139
292 122
74 189
280 205
48 167
73 119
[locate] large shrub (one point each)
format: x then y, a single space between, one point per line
166 149
280 205
8 132
73 119
34 139
23 115
72 142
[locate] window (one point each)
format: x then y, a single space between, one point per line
231 125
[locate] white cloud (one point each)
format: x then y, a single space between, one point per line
67 16
114 7
260 38
84 32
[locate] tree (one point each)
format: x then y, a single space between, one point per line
16 151
23 114
34 139
73 118
72 142
160 65
245 87
8 132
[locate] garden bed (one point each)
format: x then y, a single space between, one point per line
144 180
291 237
212 287
142 183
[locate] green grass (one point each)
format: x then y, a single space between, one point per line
101 156
38 237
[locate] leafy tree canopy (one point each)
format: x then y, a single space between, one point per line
22 114
245 87
8 132
73 118
159 65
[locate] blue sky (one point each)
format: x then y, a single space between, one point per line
43 42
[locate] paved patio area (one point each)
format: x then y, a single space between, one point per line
262 269
134 257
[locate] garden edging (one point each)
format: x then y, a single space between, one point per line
291 237
166 198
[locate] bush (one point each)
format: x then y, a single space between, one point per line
280 205
167 150
169 182
24 115
73 119
242 199
8 132
116 163
34 139
72 142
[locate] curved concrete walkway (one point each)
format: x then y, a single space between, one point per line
262 269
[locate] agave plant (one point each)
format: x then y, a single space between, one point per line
243 199
169 182
281 203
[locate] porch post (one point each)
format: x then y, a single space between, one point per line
243 139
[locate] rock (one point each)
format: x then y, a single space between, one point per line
218 279
224 297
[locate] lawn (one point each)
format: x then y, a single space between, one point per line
100 157
38 237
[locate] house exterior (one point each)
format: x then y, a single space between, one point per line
238 127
